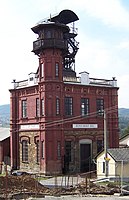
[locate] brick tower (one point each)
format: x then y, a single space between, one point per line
56 48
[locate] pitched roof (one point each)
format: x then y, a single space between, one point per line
4 133
119 154
124 140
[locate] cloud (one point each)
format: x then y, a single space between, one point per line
102 56
110 12
94 56
123 45
123 97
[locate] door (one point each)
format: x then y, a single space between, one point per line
85 157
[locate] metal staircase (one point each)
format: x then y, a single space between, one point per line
73 46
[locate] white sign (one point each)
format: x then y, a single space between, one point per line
29 126
85 125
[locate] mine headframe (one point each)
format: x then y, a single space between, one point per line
67 18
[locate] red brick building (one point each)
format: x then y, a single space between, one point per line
56 117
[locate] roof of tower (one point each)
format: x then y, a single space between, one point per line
64 17
61 19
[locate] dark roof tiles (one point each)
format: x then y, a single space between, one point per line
119 154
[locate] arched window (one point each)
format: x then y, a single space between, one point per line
24 151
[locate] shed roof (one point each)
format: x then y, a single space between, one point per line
4 133
119 154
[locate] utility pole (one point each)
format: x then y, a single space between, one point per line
122 177
105 145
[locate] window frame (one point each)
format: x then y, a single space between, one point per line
48 34
68 150
68 106
103 167
57 106
37 152
58 150
84 106
100 145
37 107
42 70
42 150
24 108
42 107
25 151
57 69
100 106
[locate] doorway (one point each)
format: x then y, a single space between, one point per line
85 157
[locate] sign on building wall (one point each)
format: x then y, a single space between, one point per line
29 126
85 125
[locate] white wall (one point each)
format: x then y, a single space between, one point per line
111 166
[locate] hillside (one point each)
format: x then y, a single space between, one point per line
123 119
5 116
124 112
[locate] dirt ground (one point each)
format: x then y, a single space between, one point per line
11 186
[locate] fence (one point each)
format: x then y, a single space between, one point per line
38 185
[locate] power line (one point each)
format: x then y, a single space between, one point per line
80 117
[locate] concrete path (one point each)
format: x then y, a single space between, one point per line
60 181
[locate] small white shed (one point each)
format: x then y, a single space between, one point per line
118 163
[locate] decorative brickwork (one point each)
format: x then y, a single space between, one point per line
32 164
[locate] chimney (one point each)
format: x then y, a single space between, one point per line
114 82
85 78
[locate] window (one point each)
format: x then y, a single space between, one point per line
57 106
68 106
24 151
37 153
99 145
84 106
42 69
57 69
100 106
24 108
68 151
42 107
58 150
103 167
31 79
37 107
48 34
42 149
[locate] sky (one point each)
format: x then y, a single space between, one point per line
103 36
